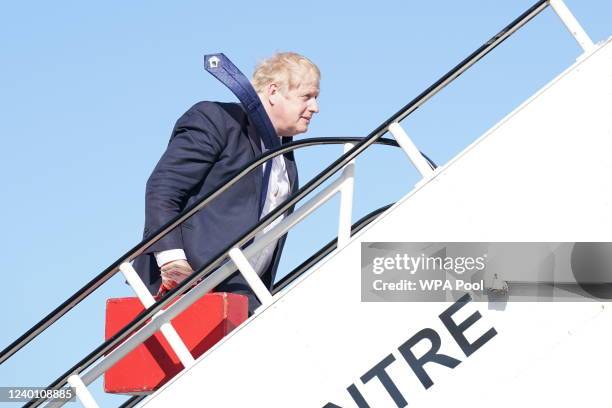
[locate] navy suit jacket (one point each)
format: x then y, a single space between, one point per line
210 143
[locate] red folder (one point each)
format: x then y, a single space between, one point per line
153 363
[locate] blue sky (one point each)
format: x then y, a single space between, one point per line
90 92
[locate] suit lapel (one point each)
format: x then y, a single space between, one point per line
255 143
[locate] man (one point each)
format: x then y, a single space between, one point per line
210 143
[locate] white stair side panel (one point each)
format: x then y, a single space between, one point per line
542 174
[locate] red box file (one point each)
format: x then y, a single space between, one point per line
153 363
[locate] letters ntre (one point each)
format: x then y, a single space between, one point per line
417 364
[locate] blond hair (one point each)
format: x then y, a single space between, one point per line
283 69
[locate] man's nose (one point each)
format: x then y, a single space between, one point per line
313 106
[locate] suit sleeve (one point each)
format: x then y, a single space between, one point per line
196 142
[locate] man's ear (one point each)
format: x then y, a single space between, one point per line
272 92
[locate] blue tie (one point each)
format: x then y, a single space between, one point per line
225 71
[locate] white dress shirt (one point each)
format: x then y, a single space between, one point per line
278 191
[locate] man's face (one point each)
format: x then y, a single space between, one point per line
292 109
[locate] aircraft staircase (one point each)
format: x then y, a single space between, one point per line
320 339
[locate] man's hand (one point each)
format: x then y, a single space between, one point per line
174 272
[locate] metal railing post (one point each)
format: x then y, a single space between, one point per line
82 392
252 278
346 200
174 340
408 146
572 25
